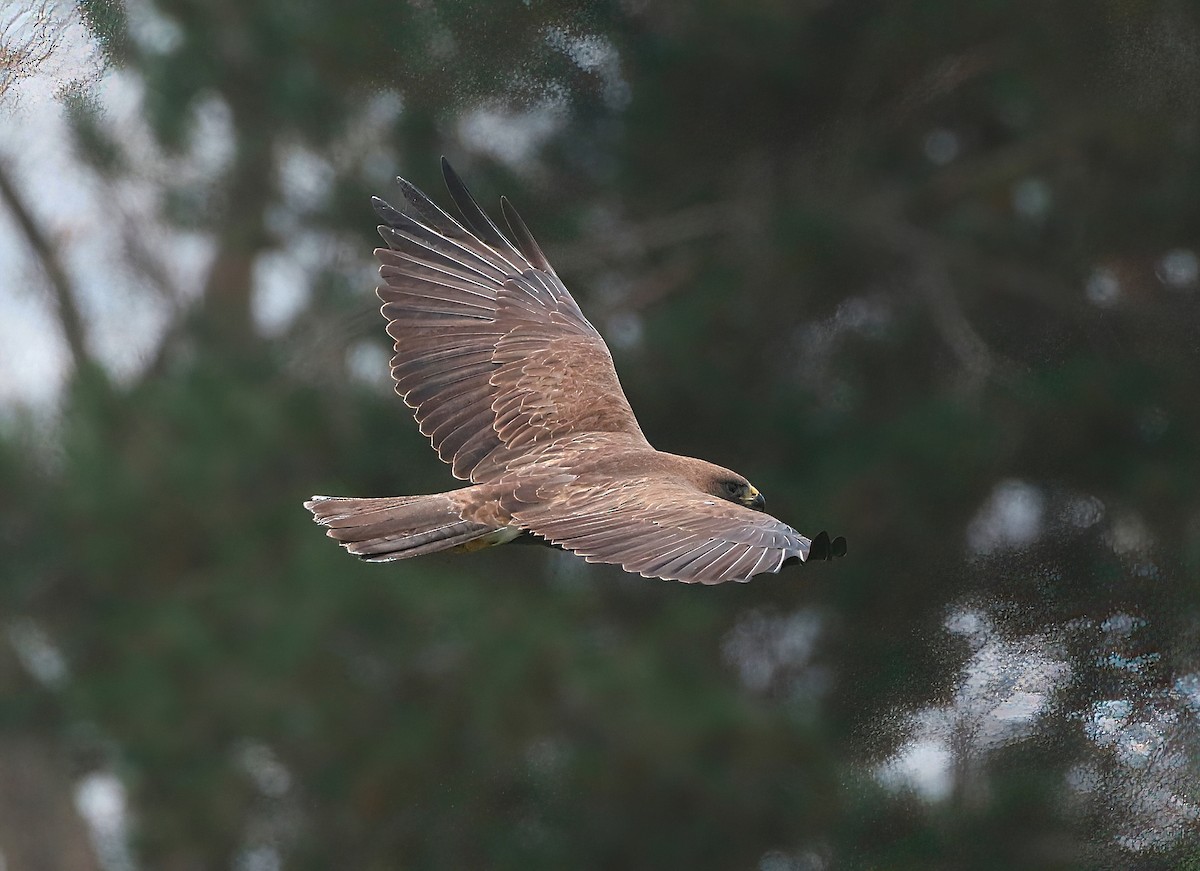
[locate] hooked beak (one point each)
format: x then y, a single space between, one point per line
754 499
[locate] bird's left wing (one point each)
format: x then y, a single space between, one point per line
666 530
492 353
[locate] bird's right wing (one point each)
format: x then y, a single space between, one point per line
491 350
666 530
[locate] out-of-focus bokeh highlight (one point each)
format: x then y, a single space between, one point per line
925 272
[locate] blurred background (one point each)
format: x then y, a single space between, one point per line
926 272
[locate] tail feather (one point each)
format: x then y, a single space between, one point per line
392 528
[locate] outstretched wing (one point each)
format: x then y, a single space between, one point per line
666 530
491 350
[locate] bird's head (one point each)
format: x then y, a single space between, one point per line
714 480
734 488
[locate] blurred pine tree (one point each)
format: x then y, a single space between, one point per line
921 270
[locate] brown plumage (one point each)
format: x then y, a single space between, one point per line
517 392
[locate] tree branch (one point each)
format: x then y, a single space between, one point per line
28 38
60 283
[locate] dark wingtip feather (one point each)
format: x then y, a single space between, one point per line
471 211
525 241
387 213
474 215
819 549
418 206
824 549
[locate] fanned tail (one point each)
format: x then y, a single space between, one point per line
392 528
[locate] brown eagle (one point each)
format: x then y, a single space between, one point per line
517 392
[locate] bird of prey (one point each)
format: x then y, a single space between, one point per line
516 390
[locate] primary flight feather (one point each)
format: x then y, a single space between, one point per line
517 391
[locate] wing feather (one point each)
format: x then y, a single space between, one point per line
525 241
663 529
474 450
689 567
491 350
657 560
410 247
477 218
450 250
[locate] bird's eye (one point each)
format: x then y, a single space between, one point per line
733 487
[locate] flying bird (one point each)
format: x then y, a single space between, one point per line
516 390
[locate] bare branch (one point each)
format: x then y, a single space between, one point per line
28 38
47 254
